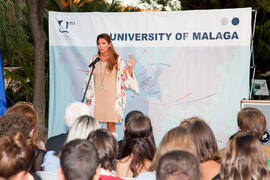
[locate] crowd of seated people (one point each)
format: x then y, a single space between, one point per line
89 152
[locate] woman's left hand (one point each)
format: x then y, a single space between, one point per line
131 61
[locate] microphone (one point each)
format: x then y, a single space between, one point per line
94 62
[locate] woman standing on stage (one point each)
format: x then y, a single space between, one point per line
111 78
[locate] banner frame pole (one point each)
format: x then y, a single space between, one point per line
252 52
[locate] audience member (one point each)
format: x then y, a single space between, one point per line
138 147
107 149
176 139
206 148
13 123
16 158
251 120
129 116
80 129
185 123
79 161
178 165
244 159
73 111
27 110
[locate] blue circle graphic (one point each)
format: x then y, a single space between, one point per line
235 21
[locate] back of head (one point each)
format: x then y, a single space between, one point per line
251 120
75 110
81 128
204 139
138 129
13 123
178 165
175 139
16 155
186 122
244 159
138 141
79 160
27 110
132 115
107 147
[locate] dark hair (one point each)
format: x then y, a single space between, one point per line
244 159
138 141
13 123
252 120
16 155
178 165
107 147
79 160
132 115
112 61
27 110
204 139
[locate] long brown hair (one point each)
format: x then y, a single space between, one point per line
176 139
113 56
204 139
107 147
244 159
139 142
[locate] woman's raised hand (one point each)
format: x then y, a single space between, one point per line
131 61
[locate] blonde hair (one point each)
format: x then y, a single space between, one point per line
81 128
176 139
244 159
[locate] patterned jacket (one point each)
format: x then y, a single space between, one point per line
123 81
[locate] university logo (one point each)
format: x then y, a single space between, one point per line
64 26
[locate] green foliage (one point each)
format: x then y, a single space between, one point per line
262 46
89 6
162 5
13 37
16 51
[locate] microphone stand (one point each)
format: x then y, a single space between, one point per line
86 89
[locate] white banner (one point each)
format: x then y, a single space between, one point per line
189 63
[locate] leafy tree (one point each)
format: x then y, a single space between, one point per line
16 51
162 5
87 6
